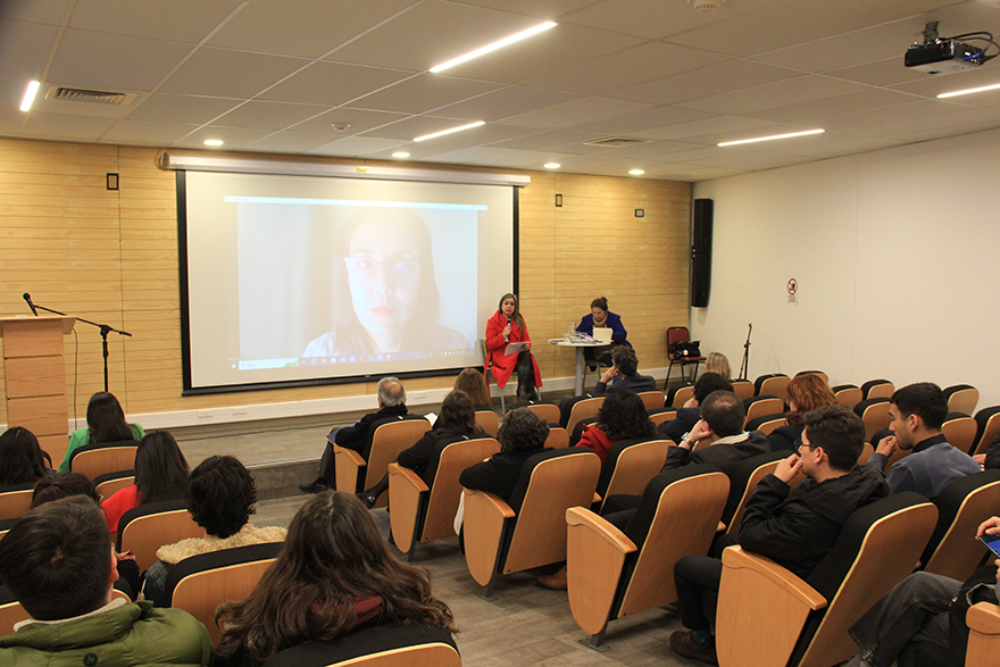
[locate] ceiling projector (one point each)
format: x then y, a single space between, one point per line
944 55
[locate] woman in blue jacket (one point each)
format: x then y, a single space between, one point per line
601 317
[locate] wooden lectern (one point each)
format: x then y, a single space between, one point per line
35 374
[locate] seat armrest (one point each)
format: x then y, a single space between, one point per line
762 610
485 518
984 618
406 476
595 557
348 464
405 490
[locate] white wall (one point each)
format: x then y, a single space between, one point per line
897 257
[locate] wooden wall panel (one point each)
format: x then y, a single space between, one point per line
111 257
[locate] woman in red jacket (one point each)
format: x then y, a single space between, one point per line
507 326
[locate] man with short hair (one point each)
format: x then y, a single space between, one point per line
917 412
794 527
391 403
624 374
721 423
689 415
59 564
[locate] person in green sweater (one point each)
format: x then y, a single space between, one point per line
105 423
58 563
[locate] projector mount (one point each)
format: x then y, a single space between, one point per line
944 55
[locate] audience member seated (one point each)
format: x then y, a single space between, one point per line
65 484
105 423
794 527
21 459
391 403
457 419
161 473
922 609
917 412
689 415
990 459
220 494
472 382
57 561
624 374
333 576
718 363
521 436
622 415
805 393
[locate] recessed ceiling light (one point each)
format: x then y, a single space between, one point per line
401 154
552 165
968 91
494 46
636 172
213 142
29 95
452 130
771 138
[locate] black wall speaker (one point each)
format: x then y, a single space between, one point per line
701 252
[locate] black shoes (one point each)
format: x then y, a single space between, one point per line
316 487
369 499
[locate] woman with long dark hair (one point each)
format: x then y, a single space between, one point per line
20 457
333 576
457 419
472 382
622 415
507 326
105 423
161 472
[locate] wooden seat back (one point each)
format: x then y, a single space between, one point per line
680 396
585 409
442 502
16 501
960 431
987 427
547 411
983 620
743 388
759 472
652 400
94 460
489 421
111 483
558 438
877 389
388 440
766 423
953 550
633 467
847 395
775 386
758 406
144 529
962 398
662 416
874 412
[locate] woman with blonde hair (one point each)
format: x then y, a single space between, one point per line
805 393
718 363
333 576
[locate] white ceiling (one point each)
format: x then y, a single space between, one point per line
276 75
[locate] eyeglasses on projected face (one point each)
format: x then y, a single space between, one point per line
399 267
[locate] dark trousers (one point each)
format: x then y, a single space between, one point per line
525 375
697 580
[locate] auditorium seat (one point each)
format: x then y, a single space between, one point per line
766 423
111 483
743 481
960 429
987 427
743 388
824 376
424 506
585 409
547 411
772 384
144 529
677 396
615 573
386 439
577 432
99 458
662 415
953 550
880 388
874 412
847 395
962 398
631 463
680 335
758 406
15 500
983 620
530 531
201 583
489 421
652 400
558 438
865 454
389 645
768 617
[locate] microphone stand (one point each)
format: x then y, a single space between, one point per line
105 330
745 364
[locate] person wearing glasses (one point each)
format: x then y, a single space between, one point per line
384 295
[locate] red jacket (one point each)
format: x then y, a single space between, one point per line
503 365
597 441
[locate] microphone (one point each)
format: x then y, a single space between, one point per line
506 337
27 297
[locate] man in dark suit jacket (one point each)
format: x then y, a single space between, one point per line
624 374
391 403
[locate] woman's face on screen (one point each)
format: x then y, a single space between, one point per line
384 278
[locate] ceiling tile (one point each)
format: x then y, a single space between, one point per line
577 112
879 73
939 125
724 77
32 11
181 108
638 122
543 9
332 84
172 20
431 33
11 93
652 60
224 73
488 157
354 146
359 120
24 49
654 19
58 126
932 86
10 122
268 115
714 127
310 28
545 140
145 133
423 93
873 98
505 102
290 142
420 125
101 60
654 151
871 117
790 91
235 138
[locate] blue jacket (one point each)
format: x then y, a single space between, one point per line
618 332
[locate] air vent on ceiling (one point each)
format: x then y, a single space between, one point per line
616 142
90 96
